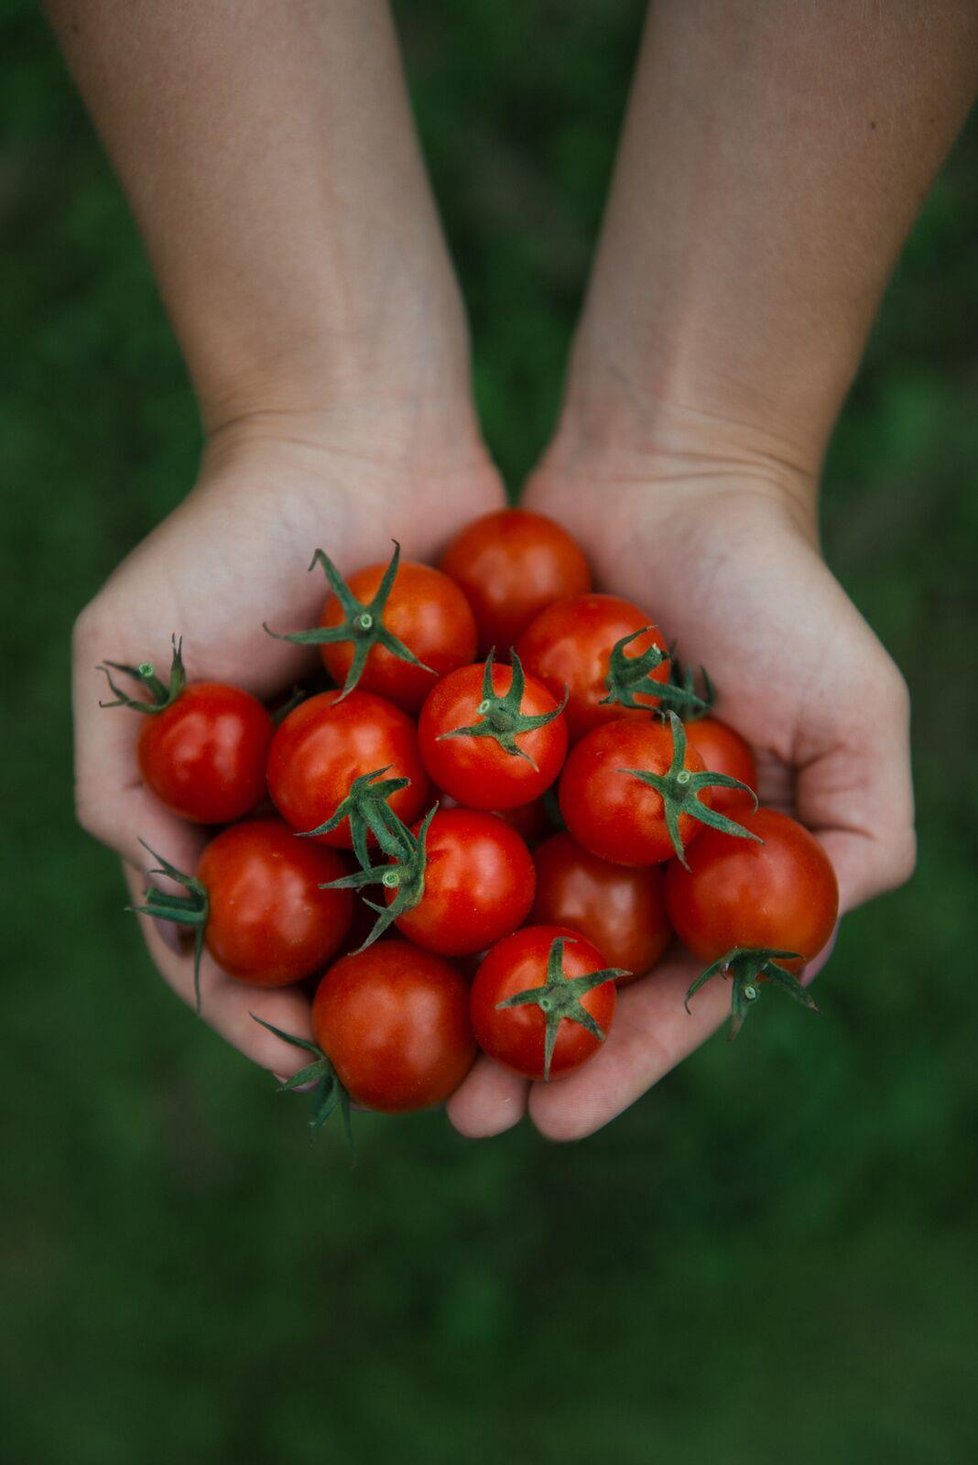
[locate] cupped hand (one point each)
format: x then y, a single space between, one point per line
234 554
722 552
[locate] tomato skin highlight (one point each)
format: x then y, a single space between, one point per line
781 894
511 564
570 644
427 611
204 755
477 771
514 1036
479 884
621 910
394 1022
724 751
611 813
269 923
327 742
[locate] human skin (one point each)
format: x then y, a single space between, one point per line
772 162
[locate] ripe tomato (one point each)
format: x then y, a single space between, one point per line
570 644
621 910
394 1023
531 821
426 611
478 884
737 893
517 1036
724 751
204 755
610 811
268 921
478 771
511 564
327 742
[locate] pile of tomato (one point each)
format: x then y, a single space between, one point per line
507 802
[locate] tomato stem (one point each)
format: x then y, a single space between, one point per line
369 812
747 968
501 717
191 910
559 999
328 1094
406 875
162 694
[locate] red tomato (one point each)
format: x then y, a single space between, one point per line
478 771
204 755
478 884
612 813
622 911
394 1023
426 611
569 645
511 564
516 1036
724 751
325 743
781 894
531 821
268 921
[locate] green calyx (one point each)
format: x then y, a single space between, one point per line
369 812
680 789
362 624
559 999
328 1094
404 874
680 695
190 910
162 694
501 717
748 968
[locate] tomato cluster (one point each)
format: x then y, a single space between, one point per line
467 854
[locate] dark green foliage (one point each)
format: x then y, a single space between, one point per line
771 1259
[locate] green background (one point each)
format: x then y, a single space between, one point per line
772 1257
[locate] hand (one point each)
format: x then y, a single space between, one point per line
233 554
722 552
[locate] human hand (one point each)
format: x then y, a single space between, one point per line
720 546
233 554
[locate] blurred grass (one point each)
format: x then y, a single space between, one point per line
772 1258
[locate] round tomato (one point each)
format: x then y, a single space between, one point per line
328 742
570 645
510 565
571 1002
738 893
501 764
394 1023
478 884
621 910
724 751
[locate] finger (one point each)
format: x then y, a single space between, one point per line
489 1101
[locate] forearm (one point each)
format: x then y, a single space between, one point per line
270 159
773 160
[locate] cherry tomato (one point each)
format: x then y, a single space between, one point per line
478 885
426 611
516 1036
268 921
394 1022
781 894
531 821
477 770
511 564
611 812
621 910
204 755
724 751
569 645
327 742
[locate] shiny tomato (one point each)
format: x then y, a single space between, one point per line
478 884
327 742
570 644
204 754
621 910
394 1022
738 893
516 1036
724 751
268 920
477 770
610 811
426 611
510 565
